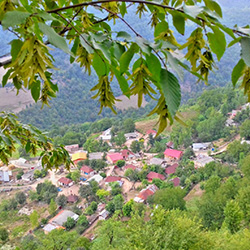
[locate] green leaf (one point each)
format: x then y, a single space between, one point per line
16 46
123 9
117 50
217 42
171 90
122 82
192 10
46 16
86 43
174 64
54 38
160 27
104 49
217 8
99 65
245 50
154 66
237 71
143 44
35 90
13 18
179 22
124 34
127 57
27 147
74 49
6 77
233 42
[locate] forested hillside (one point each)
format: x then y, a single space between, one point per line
74 104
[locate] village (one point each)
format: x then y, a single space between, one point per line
98 182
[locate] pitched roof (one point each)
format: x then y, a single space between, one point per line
79 156
171 169
151 131
65 181
72 198
170 144
173 153
176 181
145 193
126 153
114 157
130 166
86 169
154 175
112 178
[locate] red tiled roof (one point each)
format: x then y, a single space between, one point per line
145 194
130 166
112 179
86 169
176 181
171 169
115 157
173 153
151 131
72 198
65 181
126 153
153 175
150 190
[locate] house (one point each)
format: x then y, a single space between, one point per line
132 135
171 169
151 132
154 175
79 156
157 161
72 198
87 171
145 193
106 135
170 144
28 176
111 179
176 181
129 166
95 156
65 182
127 154
98 178
58 221
103 215
93 218
201 146
172 154
202 160
112 158
230 123
72 148
5 174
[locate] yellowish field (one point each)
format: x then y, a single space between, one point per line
151 123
